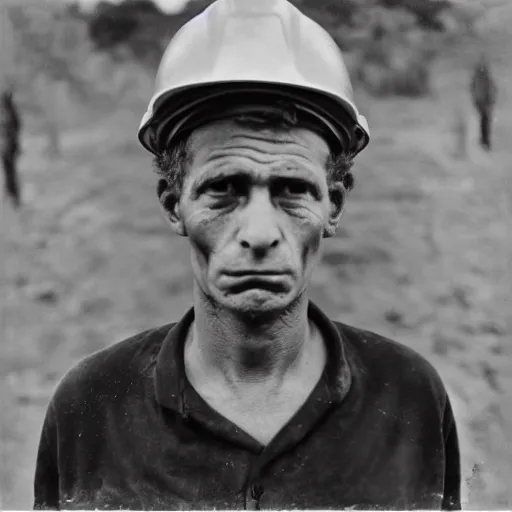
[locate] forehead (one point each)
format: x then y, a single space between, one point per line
226 140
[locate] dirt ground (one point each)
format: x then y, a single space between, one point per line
422 256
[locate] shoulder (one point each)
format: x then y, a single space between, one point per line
385 362
110 371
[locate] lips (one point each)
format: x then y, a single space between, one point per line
238 281
255 273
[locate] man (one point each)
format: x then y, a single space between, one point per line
9 145
483 94
254 399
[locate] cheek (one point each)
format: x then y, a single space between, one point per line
308 232
311 244
205 231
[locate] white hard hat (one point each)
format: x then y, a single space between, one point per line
248 53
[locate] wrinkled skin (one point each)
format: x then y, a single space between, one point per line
254 201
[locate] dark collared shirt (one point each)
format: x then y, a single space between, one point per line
125 429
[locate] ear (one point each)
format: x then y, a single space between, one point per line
169 205
337 195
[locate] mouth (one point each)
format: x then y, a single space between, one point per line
272 281
255 273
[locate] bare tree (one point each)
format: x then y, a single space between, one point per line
10 122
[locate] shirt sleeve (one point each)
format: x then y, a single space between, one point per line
452 473
46 481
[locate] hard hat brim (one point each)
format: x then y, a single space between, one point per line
170 107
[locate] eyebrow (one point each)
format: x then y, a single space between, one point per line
288 171
209 176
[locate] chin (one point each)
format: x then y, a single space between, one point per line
257 303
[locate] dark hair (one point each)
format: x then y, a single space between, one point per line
171 163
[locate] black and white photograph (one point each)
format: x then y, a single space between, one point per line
255 255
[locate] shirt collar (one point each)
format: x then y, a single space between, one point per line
170 379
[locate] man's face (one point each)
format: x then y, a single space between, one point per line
255 206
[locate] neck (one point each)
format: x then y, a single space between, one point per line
243 349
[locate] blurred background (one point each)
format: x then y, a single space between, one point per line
422 256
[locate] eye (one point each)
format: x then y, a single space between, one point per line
292 188
296 188
224 187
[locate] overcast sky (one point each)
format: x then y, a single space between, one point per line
165 5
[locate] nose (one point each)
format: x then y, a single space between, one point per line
259 230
